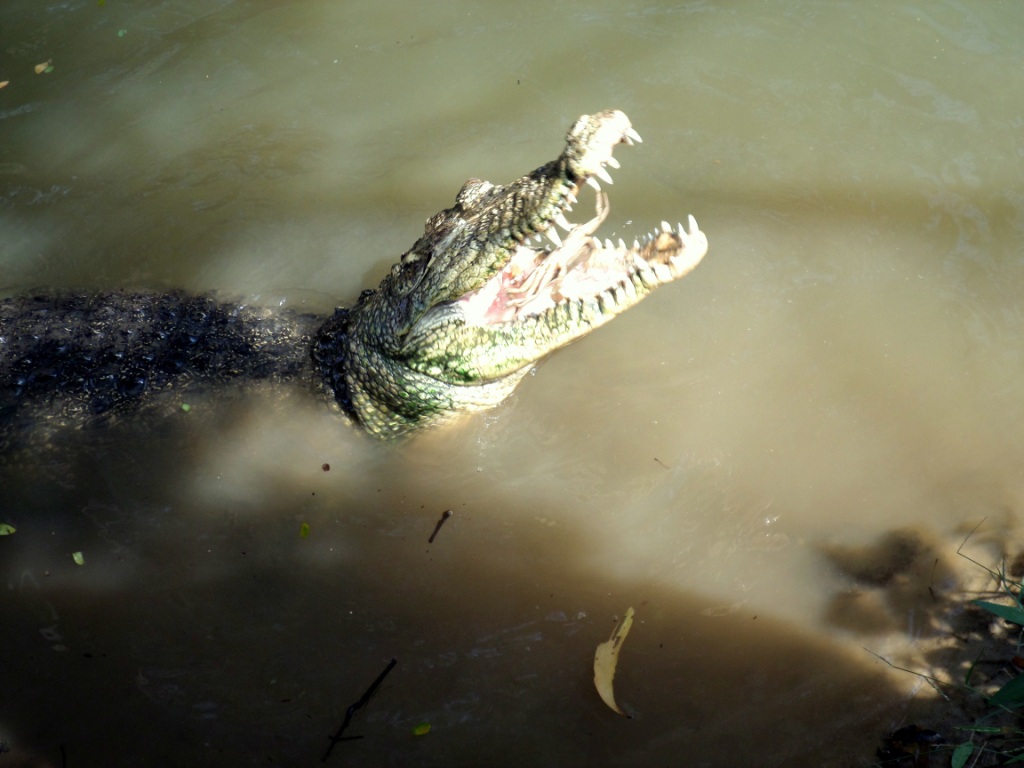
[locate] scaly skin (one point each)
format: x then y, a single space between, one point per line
435 338
453 328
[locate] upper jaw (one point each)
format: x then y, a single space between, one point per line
577 265
586 159
590 142
485 261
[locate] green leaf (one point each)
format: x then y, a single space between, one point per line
961 754
6 529
1010 695
1012 613
78 557
421 730
304 531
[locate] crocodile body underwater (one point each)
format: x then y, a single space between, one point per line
453 327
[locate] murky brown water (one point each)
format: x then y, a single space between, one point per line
845 364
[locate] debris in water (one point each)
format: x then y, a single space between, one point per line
447 513
421 730
351 711
6 529
304 531
607 657
78 557
4 83
46 66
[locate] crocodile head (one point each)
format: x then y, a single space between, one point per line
491 287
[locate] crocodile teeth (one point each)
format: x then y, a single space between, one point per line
608 244
602 174
666 227
552 234
686 236
593 183
560 220
571 198
633 136
614 163
662 271
636 244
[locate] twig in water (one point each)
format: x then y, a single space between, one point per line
445 516
934 682
351 711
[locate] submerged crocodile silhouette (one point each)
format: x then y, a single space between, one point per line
453 328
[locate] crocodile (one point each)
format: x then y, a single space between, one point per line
489 289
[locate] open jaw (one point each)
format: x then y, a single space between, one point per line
495 283
578 267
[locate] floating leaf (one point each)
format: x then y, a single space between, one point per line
46 66
421 730
122 32
605 659
186 407
78 557
6 529
304 531
4 83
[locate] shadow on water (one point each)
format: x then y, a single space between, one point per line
205 629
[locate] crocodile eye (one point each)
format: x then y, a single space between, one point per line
472 191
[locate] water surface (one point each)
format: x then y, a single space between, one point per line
773 461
